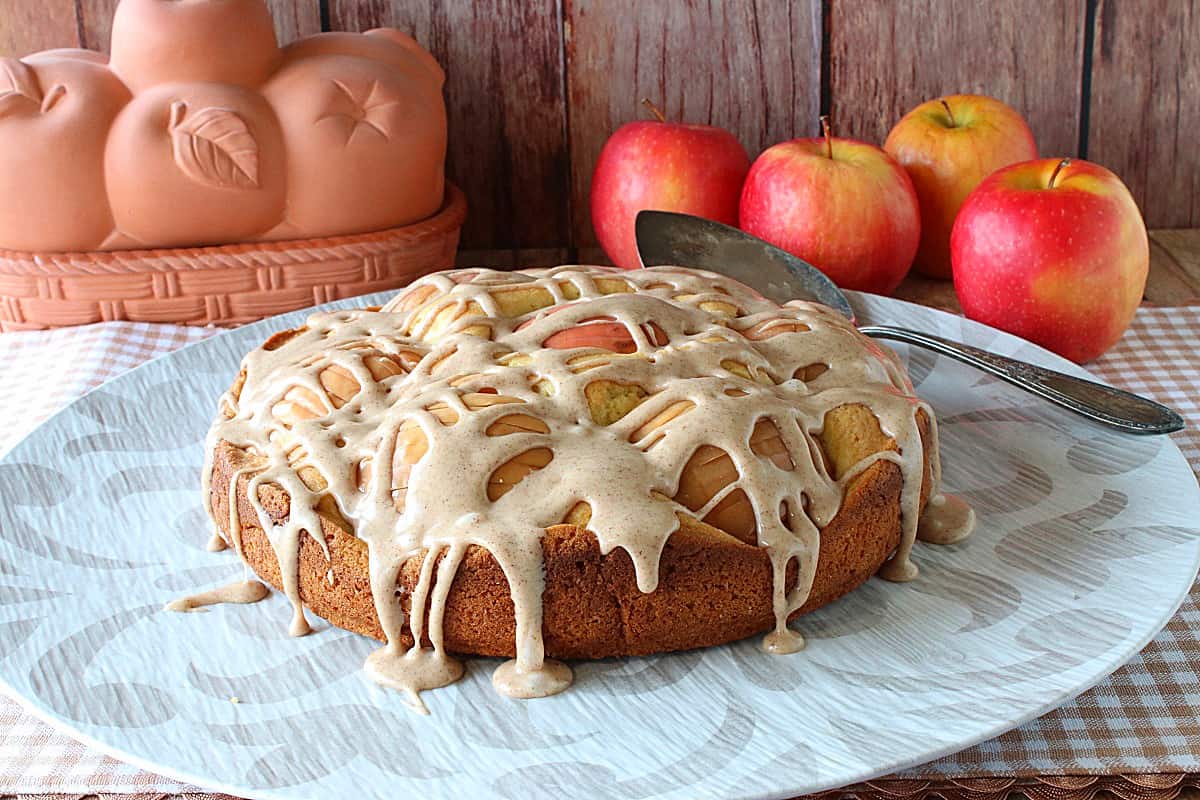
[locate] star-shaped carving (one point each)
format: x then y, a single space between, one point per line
363 106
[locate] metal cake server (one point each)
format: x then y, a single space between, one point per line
669 238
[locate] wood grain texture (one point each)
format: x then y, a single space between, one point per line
1145 104
929 292
507 114
752 67
592 254
886 58
293 19
1174 268
514 259
95 23
30 25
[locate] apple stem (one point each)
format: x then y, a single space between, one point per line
1058 169
826 129
949 113
653 109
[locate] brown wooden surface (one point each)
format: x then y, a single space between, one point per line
929 292
293 19
95 23
752 67
507 115
26 26
1174 268
536 86
514 259
1145 104
1028 53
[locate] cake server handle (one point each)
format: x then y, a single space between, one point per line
1113 407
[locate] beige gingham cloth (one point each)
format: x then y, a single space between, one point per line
1145 718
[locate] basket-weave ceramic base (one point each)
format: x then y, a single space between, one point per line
223 285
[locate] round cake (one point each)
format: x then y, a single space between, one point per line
570 463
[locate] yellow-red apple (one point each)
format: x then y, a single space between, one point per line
948 146
846 207
1054 251
666 166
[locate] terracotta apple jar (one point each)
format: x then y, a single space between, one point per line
201 132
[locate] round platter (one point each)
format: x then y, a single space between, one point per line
101 524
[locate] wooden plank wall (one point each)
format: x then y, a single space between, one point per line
1145 104
535 86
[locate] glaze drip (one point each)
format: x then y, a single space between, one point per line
240 592
474 408
947 519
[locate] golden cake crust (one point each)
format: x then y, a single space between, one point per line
713 588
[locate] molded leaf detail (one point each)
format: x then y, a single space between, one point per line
214 146
18 85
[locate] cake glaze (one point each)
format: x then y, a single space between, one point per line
481 408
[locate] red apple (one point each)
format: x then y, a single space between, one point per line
948 146
604 333
845 207
1054 251
666 166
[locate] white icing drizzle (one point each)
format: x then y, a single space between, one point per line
239 592
404 420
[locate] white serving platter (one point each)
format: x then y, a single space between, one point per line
1087 542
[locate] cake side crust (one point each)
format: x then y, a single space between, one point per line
712 588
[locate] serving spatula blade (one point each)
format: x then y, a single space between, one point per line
667 238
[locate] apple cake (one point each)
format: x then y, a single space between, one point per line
568 463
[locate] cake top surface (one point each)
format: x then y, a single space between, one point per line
481 407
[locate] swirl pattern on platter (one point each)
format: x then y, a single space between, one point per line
104 559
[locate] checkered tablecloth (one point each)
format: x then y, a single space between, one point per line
1142 719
